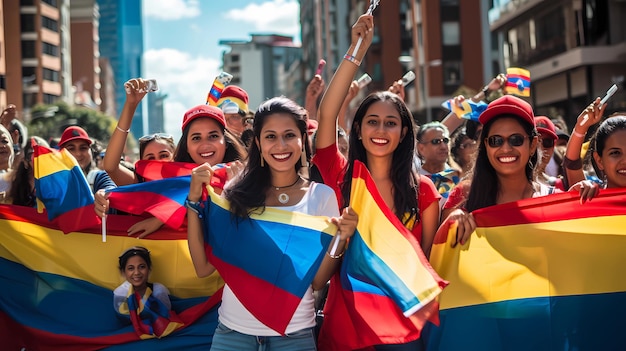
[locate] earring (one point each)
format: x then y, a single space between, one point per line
262 160
530 164
303 159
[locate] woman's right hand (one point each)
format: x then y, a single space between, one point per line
363 28
200 176
591 115
101 203
466 225
135 90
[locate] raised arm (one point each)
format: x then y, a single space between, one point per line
338 88
313 91
453 122
111 162
200 176
342 119
572 163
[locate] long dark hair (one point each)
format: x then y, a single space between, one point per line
405 180
597 143
248 193
235 150
22 190
484 190
134 251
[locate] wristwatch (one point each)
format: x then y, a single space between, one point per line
194 206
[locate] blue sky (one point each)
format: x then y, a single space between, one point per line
181 43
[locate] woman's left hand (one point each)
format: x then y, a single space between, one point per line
200 176
587 190
346 224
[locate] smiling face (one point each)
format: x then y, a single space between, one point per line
381 129
137 272
434 154
6 151
280 142
205 141
506 159
613 159
81 151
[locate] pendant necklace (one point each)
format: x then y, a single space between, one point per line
283 198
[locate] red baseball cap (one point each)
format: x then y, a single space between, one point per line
74 133
508 105
234 94
204 111
545 126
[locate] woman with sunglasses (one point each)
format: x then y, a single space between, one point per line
382 136
547 142
505 166
271 179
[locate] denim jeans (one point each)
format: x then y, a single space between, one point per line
226 339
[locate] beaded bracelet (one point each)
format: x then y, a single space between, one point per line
122 130
335 256
352 59
580 135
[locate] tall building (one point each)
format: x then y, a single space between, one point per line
121 42
37 46
85 53
325 34
260 66
156 112
574 49
3 63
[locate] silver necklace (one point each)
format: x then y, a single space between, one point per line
283 198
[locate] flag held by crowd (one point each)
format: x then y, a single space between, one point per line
61 187
517 82
384 273
268 260
58 289
538 274
467 109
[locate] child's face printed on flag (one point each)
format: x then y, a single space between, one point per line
137 272
81 151
507 159
205 141
613 159
381 129
280 142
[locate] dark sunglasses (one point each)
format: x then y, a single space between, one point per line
438 141
547 143
513 140
148 138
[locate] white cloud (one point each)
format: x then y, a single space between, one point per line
275 16
169 10
184 78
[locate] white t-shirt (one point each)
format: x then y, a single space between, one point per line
320 200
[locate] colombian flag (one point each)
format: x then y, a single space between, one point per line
538 274
62 188
468 109
163 199
215 93
517 81
386 289
57 290
268 260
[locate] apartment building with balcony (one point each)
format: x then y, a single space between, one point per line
574 49
37 46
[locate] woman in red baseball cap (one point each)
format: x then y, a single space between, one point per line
505 166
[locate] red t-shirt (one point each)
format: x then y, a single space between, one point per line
332 166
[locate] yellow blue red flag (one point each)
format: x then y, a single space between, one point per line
386 289
517 81
538 274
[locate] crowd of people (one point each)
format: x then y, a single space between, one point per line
301 159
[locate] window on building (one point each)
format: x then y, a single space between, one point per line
234 58
52 3
28 49
50 75
49 99
27 2
451 33
27 23
3 81
50 49
49 23
452 76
